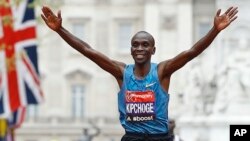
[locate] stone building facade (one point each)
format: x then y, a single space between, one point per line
81 99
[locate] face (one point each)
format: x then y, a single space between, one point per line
142 48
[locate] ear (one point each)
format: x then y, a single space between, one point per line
153 51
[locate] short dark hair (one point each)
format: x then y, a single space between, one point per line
151 38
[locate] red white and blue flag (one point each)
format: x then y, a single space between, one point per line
19 76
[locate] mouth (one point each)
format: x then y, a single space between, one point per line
139 56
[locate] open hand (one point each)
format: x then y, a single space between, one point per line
222 21
53 22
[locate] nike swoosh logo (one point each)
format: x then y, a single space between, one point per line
151 84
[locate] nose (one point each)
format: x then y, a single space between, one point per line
140 47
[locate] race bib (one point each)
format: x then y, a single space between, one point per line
140 106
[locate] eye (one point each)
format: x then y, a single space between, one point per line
135 44
145 44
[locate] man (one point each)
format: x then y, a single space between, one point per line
143 97
171 126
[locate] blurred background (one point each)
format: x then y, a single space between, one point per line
80 100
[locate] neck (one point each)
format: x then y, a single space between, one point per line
141 70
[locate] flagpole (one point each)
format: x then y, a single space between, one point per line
11 134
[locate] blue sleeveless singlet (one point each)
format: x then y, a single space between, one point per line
143 104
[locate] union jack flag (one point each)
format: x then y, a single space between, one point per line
19 76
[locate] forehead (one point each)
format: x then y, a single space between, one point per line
142 37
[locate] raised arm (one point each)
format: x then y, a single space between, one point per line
54 22
220 23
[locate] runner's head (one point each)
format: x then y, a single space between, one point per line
142 47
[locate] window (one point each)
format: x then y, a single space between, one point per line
124 33
244 38
78 29
77 87
31 112
239 40
203 29
78 92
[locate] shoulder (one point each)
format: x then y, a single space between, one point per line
164 68
165 64
129 66
128 69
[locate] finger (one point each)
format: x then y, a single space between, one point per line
47 11
233 14
228 10
59 14
232 11
43 17
218 12
233 19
